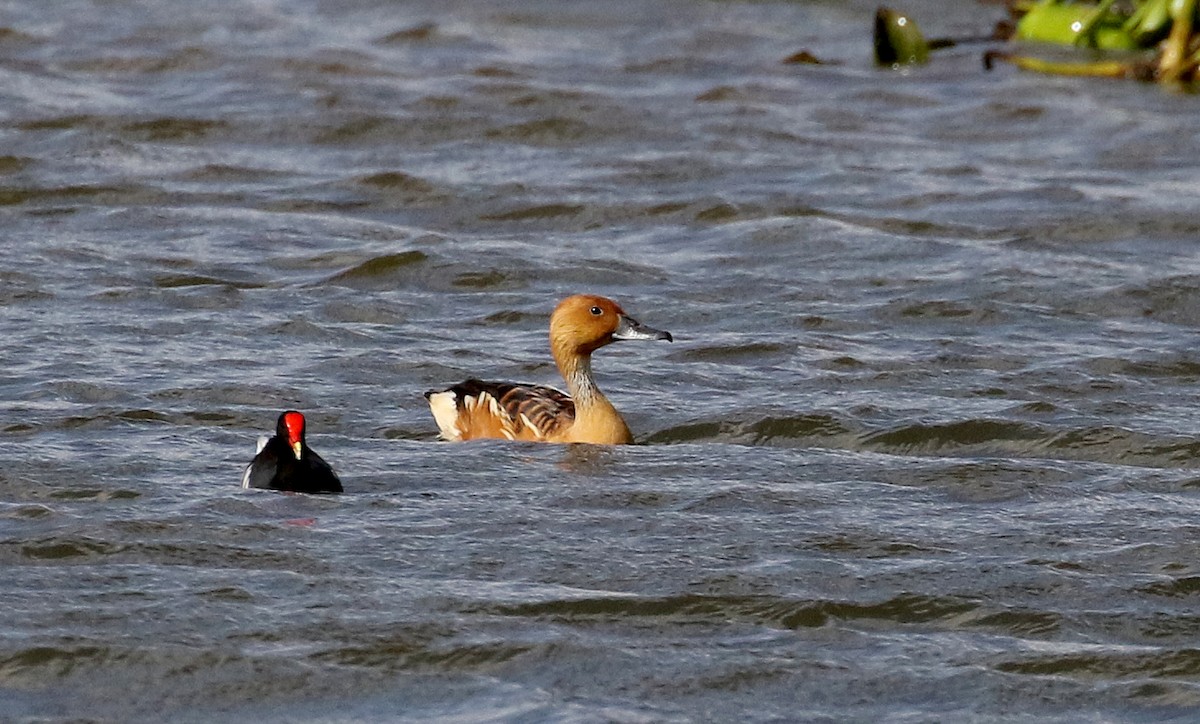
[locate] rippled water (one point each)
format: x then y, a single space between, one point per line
924 448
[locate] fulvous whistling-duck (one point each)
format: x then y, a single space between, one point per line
286 462
580 325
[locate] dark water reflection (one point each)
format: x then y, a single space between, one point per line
923 448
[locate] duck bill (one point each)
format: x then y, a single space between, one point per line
297 448
630 328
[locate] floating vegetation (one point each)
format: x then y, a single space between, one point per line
898 40
1152 40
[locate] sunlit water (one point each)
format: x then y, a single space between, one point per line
924 448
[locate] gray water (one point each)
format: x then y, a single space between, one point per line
925 447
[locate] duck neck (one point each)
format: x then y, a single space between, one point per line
596 420
576 369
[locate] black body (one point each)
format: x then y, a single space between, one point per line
276 467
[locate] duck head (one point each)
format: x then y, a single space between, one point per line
583 323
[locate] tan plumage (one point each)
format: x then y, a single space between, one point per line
580 325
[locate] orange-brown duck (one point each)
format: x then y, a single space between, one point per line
580 325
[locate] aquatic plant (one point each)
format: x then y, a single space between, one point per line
1143 39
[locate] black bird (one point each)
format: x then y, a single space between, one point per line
286 463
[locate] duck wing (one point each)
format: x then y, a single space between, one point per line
509 410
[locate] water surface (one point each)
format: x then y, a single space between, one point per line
924 448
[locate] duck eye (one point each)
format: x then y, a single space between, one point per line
597 311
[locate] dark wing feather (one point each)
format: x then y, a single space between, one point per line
262 470
319 476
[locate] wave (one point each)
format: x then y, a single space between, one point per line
986 437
